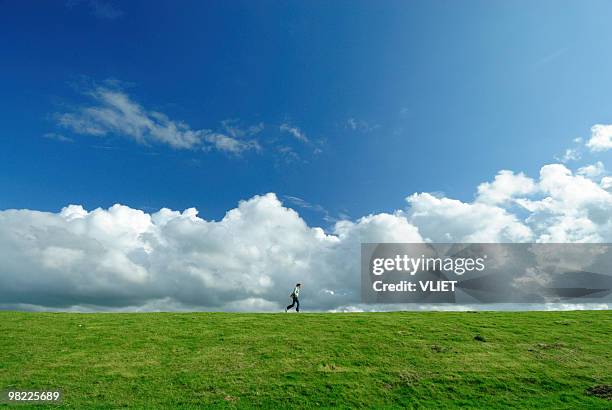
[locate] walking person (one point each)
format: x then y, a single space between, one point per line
294 296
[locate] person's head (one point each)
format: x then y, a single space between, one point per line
298 285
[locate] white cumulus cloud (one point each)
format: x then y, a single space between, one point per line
125 257
592 171
122 258
601 138
504 187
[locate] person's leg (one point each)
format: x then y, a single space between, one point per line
291 305
297 308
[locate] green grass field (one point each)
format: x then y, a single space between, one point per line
376 360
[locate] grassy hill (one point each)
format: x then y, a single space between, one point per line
426 360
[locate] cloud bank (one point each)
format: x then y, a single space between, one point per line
124 258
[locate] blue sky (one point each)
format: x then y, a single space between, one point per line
355 104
